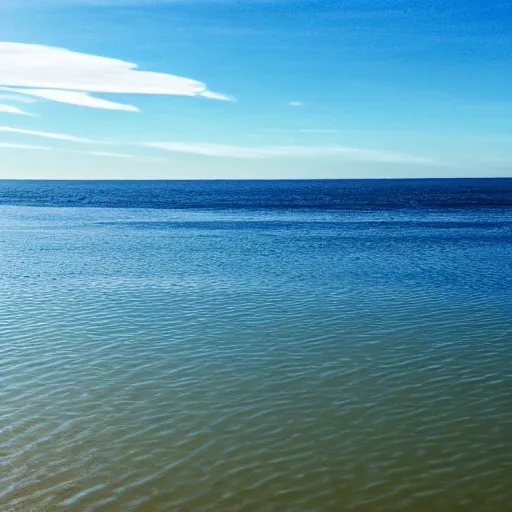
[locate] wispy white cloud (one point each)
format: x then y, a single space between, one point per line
125 155
70 138
307 130
44 67
341 152
295 103
9 145
206 149
107 153
74 98
48 135
8 109
317 131
216 96
15 97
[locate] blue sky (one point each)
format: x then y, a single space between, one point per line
255 89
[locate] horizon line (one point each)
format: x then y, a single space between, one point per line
268 179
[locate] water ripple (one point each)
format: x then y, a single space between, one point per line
248 372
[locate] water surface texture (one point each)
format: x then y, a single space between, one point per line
323 346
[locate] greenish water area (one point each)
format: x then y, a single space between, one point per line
259 359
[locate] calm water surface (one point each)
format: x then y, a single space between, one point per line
259 347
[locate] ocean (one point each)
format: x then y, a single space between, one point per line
256 346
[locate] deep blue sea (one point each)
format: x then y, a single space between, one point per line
256 346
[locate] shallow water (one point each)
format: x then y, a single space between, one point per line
255 356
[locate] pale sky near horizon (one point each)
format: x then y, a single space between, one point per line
145 89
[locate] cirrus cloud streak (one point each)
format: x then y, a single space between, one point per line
8 109
38 69
10 145
74 98
48 135
334 151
